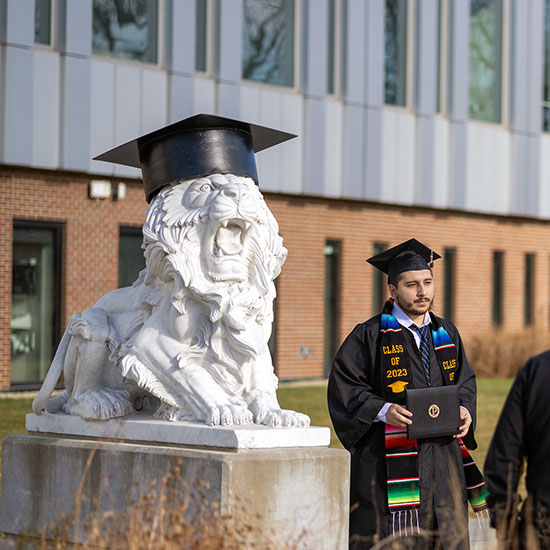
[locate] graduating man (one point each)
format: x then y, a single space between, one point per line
522 433
401 486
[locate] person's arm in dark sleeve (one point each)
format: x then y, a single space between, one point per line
504 462
353 404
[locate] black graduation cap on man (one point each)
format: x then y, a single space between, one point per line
411 255
195 147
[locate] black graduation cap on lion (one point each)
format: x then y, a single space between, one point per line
195 147
411 255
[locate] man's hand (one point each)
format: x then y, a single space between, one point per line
398 416
465 421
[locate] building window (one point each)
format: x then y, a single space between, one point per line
268 41
449 268
529 288
201 31
485 59
546 76
442 54
130 255
332 302
272 342
42 22
395 54
379 283
35 299
126 29
498 286
335 46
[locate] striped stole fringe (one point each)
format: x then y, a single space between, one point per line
476 488
403 481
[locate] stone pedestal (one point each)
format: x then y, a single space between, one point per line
269 497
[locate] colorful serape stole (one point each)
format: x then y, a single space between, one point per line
476 488
403 480
404 484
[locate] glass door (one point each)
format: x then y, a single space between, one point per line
36 311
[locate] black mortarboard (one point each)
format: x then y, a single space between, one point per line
411 255
195 147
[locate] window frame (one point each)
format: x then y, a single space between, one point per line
50 44
442 105
299 6
505 39
338 57
130 230
497 311
58 229
208 40
409 60
529 288
272 343
449 282
160 45
379 281
332 298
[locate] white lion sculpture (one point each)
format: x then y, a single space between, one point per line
191 334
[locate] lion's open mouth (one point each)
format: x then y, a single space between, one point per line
229 238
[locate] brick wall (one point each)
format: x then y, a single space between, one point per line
305 224
90 238
90 257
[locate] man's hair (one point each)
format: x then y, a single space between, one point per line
395 281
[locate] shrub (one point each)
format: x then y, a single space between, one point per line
502 353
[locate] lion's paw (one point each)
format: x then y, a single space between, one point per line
229 415
100 404
286 419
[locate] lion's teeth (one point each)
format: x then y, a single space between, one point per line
224 224
247 225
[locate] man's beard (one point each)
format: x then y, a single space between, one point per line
411 308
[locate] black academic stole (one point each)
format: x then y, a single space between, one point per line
394 360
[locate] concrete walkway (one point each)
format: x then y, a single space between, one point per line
482 538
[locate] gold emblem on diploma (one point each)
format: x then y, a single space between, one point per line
433 411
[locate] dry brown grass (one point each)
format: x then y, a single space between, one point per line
502 353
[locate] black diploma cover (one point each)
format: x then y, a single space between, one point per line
436 412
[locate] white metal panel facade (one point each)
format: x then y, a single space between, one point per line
45 109
102 114
489 169
72 104
544 184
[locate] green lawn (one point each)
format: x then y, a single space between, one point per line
491 394
312 401
490 398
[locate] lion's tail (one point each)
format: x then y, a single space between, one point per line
42 402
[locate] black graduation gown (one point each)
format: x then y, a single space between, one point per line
355 398
523 431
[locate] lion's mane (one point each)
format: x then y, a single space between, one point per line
179 237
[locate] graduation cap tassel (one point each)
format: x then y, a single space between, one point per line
393 522
417 524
